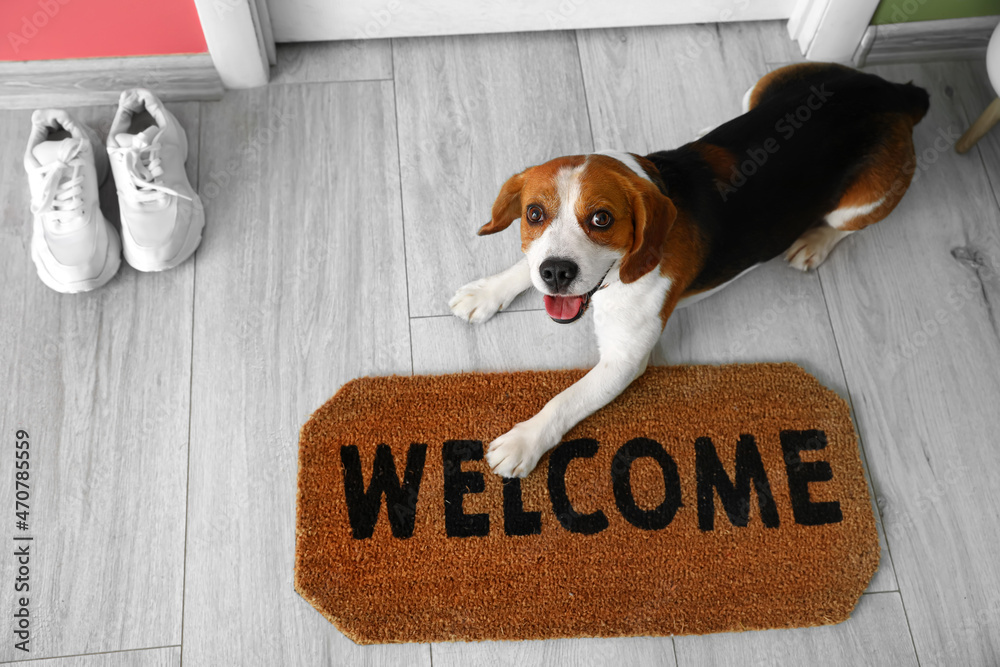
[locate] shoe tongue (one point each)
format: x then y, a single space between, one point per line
48 151
141 140
563 307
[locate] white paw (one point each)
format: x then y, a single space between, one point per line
516 452
478 301
810 249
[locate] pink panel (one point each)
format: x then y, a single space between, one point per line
54 29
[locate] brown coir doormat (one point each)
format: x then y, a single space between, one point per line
704 499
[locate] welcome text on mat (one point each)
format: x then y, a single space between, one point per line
363 505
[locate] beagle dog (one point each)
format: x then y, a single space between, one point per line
820 152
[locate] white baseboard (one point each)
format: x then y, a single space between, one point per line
92 81
309 20
947 39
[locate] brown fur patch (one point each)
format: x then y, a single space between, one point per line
651 171
642 214
719 159
540 188
650 214
887 174
535 185
783 75
605 184
507 206
683 259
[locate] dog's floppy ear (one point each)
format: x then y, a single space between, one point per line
652 215
507 207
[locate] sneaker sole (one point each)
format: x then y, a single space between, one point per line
134 253
112 263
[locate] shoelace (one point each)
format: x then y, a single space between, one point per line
145 171
61 202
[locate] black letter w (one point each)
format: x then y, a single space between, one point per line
363 506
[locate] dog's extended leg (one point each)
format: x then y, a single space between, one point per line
481 299
628 326
516 452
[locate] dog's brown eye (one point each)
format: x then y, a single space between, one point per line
601 219
535 214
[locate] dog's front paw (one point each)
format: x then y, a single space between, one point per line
478 301
516 452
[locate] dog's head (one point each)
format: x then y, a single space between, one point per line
580 216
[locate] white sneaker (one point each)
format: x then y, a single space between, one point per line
162 217
73 246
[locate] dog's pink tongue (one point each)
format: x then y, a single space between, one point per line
563 307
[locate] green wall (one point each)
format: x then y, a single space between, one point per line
904 11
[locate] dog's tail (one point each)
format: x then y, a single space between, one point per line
915 99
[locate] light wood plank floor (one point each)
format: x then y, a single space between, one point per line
342 202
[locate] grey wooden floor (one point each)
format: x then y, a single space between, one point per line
342 202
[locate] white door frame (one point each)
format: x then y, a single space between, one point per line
831 30
241 42
238 35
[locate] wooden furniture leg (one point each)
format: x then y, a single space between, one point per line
983 124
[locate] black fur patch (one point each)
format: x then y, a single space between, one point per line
794 155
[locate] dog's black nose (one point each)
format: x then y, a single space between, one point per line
558 273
